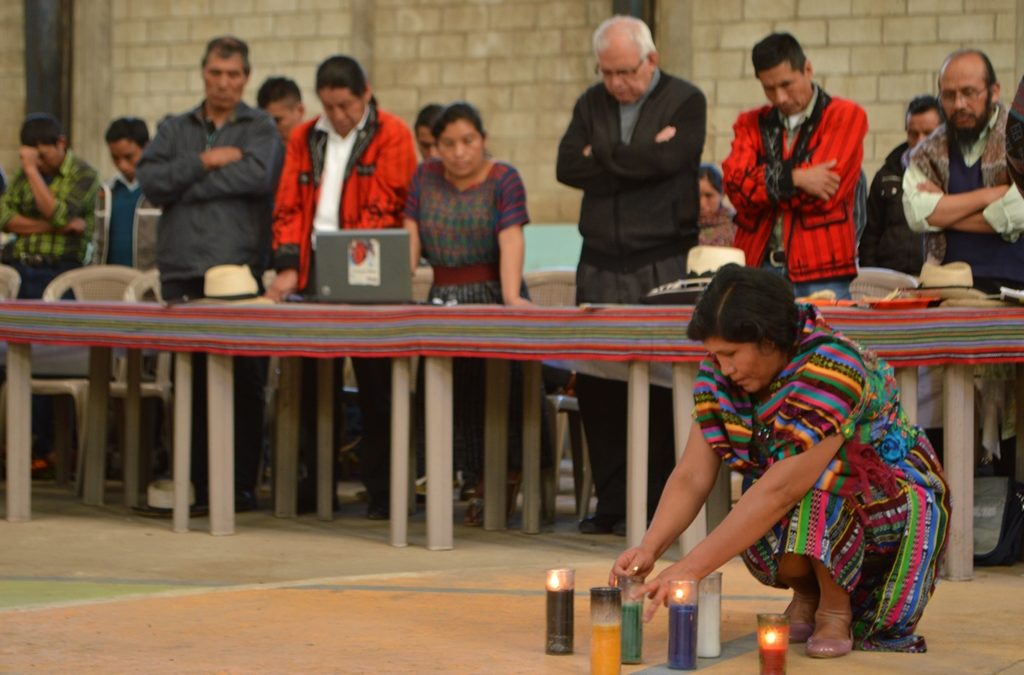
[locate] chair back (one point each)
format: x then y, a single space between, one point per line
144 288
97 283
10 282
554 286
422 280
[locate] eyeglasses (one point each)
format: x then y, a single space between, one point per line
610 74
967 94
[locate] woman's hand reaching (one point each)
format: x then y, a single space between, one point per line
635 562
658 588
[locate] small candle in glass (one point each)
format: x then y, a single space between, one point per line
772 643
561 584
632 618
605 630
709 621
682 624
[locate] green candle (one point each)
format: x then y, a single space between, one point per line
632 632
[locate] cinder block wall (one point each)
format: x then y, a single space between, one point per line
522 62
12 82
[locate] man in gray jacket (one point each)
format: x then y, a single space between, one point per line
213 170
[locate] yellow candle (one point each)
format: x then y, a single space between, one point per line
605 649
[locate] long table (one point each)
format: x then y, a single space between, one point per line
955 338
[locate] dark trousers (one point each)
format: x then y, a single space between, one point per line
374 379
373 376
603 409
249 384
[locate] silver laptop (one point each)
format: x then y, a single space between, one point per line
363 266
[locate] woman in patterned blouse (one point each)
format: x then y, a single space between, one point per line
716 225
846 502
465 214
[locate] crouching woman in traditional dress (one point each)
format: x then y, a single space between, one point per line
846 502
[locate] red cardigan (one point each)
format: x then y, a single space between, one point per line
819 235
376 185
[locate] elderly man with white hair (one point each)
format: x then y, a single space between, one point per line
633 146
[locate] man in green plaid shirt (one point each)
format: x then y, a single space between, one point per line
49 206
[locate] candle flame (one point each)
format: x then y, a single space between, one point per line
680 594
770 637
554 582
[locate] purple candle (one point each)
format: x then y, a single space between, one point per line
682 625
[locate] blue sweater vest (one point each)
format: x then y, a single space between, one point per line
992 259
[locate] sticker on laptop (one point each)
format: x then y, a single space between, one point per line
364 262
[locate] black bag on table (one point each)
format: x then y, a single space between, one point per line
998 520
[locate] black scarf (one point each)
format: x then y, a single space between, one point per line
778 172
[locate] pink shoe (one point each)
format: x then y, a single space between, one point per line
799 632
829 648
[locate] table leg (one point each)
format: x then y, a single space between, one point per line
96 427
683 376
495 443
907 379
532 390
286 443
400 415
638 421
132 426
221 444
325 486
19 432
182 438
438 385
958 439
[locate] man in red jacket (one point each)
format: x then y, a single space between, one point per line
349 168
792 173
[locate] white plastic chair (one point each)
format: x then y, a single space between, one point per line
146 288
97 283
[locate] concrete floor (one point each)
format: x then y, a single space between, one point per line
101 590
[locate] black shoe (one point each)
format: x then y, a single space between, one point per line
378 509
245 500
602 525
374 512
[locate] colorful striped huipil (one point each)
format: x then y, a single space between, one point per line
878 516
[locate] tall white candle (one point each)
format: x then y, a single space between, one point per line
709 619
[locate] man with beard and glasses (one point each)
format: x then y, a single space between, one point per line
956 186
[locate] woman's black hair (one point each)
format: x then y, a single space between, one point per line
712 174
744 304
453 112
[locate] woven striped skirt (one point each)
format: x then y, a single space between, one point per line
884 549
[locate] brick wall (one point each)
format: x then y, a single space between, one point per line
12 82
524 62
